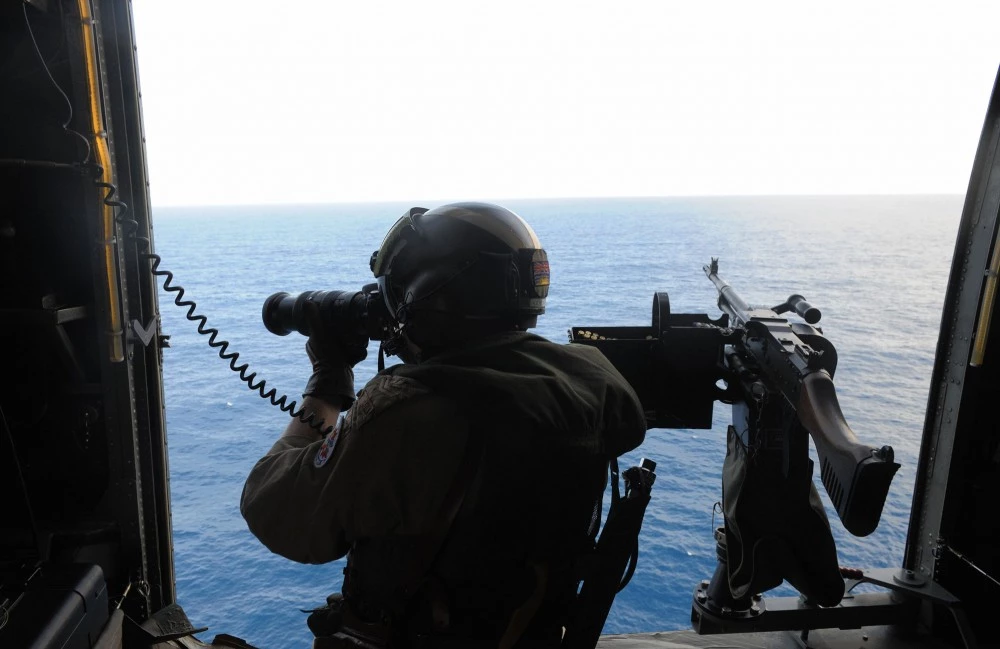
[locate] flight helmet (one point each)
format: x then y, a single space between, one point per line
461 270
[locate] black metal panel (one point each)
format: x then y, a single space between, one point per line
673 369
139 291
54 606
957 477
89 432
49 388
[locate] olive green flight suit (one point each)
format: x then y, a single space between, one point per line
549 417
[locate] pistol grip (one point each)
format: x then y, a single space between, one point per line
856 476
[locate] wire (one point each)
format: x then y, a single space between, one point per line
69 104
969 563
131 228
121 600
59 54
24 484
39 164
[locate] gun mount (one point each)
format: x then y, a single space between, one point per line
778 377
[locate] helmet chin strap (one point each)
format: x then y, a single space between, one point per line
395 345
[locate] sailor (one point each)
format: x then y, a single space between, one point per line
463 483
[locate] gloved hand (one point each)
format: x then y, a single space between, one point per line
332 379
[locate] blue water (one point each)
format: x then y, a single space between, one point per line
876 266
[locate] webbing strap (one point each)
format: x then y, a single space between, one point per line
429 545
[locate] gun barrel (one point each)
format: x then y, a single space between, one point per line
728 297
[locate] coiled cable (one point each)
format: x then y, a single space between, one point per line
130 228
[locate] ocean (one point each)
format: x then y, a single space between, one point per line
877 267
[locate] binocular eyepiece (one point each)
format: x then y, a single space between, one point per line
351 316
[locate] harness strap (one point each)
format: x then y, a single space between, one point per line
615 556
523 615
417 572
428 546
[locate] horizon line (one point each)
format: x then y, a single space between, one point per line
440 201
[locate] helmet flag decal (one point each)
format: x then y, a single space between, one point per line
540 273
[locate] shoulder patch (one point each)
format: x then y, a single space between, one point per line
379 394
326 448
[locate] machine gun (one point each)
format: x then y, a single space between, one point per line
796 360
778 377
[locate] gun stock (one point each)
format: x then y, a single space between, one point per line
856 476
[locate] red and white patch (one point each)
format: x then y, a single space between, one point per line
326 448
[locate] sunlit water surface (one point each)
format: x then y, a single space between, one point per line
877 267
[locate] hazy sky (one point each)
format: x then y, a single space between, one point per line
308 102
